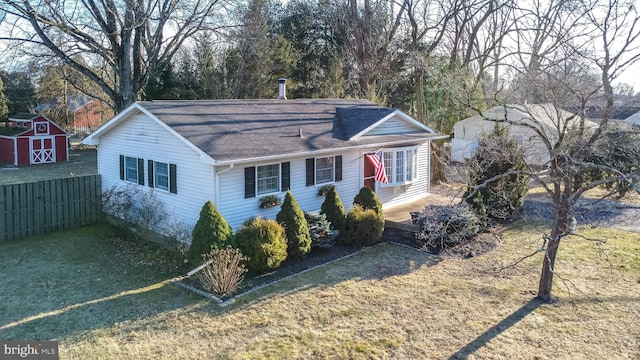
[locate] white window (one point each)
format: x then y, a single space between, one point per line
401 165
324 170
268 178
131 169
161 175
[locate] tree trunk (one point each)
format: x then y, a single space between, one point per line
546 277
559 228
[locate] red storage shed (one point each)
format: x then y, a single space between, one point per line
32 139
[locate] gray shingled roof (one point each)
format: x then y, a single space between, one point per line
244 129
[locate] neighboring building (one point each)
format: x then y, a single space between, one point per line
234 152
633 119
521 121
32 139
83 113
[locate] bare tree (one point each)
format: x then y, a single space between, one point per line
120 42
580 152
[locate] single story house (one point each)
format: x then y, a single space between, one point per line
521 121
235 152
32 139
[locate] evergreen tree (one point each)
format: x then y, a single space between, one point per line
334 210
503 198
368 199
291 217
211 231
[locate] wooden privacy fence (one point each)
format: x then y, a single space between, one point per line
49 205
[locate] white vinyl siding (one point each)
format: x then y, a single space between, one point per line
394 125
395 194
145 138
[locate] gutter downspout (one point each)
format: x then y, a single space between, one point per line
217 184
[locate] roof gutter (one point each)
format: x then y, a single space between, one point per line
327 151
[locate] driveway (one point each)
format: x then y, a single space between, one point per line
612 214
597 213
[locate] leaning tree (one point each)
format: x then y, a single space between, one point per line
600 37
120 43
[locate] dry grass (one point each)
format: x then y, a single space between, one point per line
81 162
388 302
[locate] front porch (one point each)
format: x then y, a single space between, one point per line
400 215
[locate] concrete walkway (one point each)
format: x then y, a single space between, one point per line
400 216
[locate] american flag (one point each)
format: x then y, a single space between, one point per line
376 160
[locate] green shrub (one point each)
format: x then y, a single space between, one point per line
334 210
501 199
292 219
211 231
443 227
363 227
322 236
368 199
263 242
223 271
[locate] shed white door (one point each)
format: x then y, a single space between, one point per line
42 150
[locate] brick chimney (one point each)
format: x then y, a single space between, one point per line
282 88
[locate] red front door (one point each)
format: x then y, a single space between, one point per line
369 174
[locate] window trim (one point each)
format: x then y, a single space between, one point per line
127 169
154 171
333 170
410 156
278 184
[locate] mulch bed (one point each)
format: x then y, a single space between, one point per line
483 243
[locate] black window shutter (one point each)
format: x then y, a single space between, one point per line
173 179
311 170
339 168
286 176
121 167
141 171
150 169
250 182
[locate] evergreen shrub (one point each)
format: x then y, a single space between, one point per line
211 231
292 218
263 241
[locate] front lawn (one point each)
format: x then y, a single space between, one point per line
81 162
103 302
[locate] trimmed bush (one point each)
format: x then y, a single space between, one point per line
322 236
223 272
295 225
443 227
364 227
263 242
211 231
368 199
334 210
